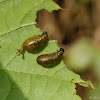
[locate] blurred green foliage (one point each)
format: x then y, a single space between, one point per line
82 55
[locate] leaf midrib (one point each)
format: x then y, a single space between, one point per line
41 74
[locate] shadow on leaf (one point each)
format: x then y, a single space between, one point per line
9 90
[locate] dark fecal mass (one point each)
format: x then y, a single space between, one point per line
33 42
50 59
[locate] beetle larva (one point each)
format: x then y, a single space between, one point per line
50 59
33 42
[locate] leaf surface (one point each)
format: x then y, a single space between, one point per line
24 79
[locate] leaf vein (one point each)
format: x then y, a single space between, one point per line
13 10
59 69
25 25
5 20
32 73
56 90
30 10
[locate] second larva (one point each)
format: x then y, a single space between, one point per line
50 59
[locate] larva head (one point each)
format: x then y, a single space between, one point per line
61 49
45 33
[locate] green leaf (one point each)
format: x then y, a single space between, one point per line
2 0
24 79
